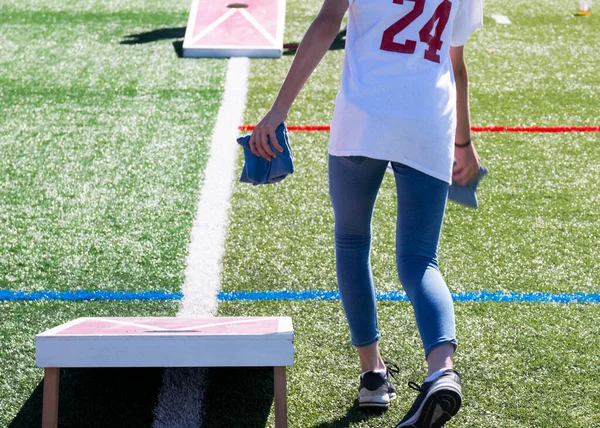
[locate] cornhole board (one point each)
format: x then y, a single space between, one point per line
226 28
166 342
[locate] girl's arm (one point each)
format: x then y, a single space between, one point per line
467 161
313 47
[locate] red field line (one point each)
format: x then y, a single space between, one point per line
535 128
309 128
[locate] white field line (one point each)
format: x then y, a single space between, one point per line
180 397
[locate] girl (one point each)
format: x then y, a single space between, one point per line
403 100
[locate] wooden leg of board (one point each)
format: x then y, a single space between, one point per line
50 404
280 398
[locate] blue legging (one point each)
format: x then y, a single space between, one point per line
354 182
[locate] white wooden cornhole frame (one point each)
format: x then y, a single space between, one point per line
166 342
229 28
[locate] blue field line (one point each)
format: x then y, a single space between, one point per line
480 296
236 296
89 295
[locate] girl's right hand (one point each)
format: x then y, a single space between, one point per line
265 129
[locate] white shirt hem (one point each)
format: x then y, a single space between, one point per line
435 174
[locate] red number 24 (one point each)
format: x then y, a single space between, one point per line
439 19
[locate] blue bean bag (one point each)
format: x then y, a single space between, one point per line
465 195
261 171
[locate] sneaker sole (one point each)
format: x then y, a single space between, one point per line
439 407
378 404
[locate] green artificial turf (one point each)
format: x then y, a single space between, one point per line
540 70
522 365
104 134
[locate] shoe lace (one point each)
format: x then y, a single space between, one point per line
415 386
392 368
419 388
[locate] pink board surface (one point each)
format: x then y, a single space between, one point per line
154 326
224 28
168 342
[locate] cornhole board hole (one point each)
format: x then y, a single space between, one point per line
225 28
166 342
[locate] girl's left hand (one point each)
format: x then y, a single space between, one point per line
467 164
265 129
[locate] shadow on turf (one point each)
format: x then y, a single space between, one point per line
353 415
154 36
245 394
125 397
98 398
236 394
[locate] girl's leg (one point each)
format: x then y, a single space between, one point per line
370 358
353 186
421 206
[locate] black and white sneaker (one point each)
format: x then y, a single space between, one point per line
376 390
438 401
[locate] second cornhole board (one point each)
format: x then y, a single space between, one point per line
226 28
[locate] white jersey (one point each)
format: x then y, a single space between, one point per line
397 99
